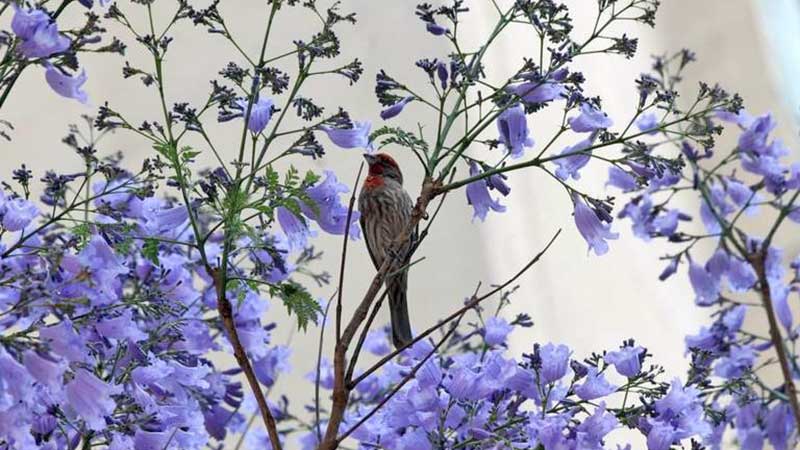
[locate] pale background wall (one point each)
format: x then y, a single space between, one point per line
587 302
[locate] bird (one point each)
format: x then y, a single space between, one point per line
385 209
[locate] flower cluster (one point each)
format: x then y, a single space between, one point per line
471 394
117 288
742 265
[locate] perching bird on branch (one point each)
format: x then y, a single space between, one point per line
385 213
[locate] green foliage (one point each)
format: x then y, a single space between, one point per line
150 250
298 301
398 136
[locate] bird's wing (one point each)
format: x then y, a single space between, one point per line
366 240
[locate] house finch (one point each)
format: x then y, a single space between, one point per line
385 212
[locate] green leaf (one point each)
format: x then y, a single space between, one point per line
150 250
298 301
399 136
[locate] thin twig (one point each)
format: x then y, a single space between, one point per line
402 383
367 325
319 364
475 301
344 255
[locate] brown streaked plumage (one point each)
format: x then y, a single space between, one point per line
385 212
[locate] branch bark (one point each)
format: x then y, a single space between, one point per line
226 314
758 261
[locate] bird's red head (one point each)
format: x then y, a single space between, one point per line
382 166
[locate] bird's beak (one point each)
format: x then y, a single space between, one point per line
371 159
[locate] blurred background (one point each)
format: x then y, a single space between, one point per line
590 303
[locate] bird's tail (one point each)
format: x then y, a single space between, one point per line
398 309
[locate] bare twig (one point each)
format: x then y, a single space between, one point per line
319 364
354 357
402 383
343 264
475 301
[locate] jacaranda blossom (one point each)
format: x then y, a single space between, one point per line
513 127
479 197
705 285
294 227
396 109
555 361
260 113
590 119
573 158
621 179
627 360
594 386
91 398
496 330
66 85
329 212
537 92
39 34
356 136
648 123
18 213
435 29
594 231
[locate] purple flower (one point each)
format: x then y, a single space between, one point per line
276 361
66 85
260 113
780 298
705 285
65 342
435 29
740 193
741 276
593 429
377 343
356 136
16 385
479 197
737 363
780 426
40 36
594 231
537 92
441 73
574 158
513 127
18 213
396 109
754 138
294 227
627 360
496 330
555 361
648 123
590 119
329 213
621 179
742 118
91 398
661 436
121 327
44 370
595 386
26 21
